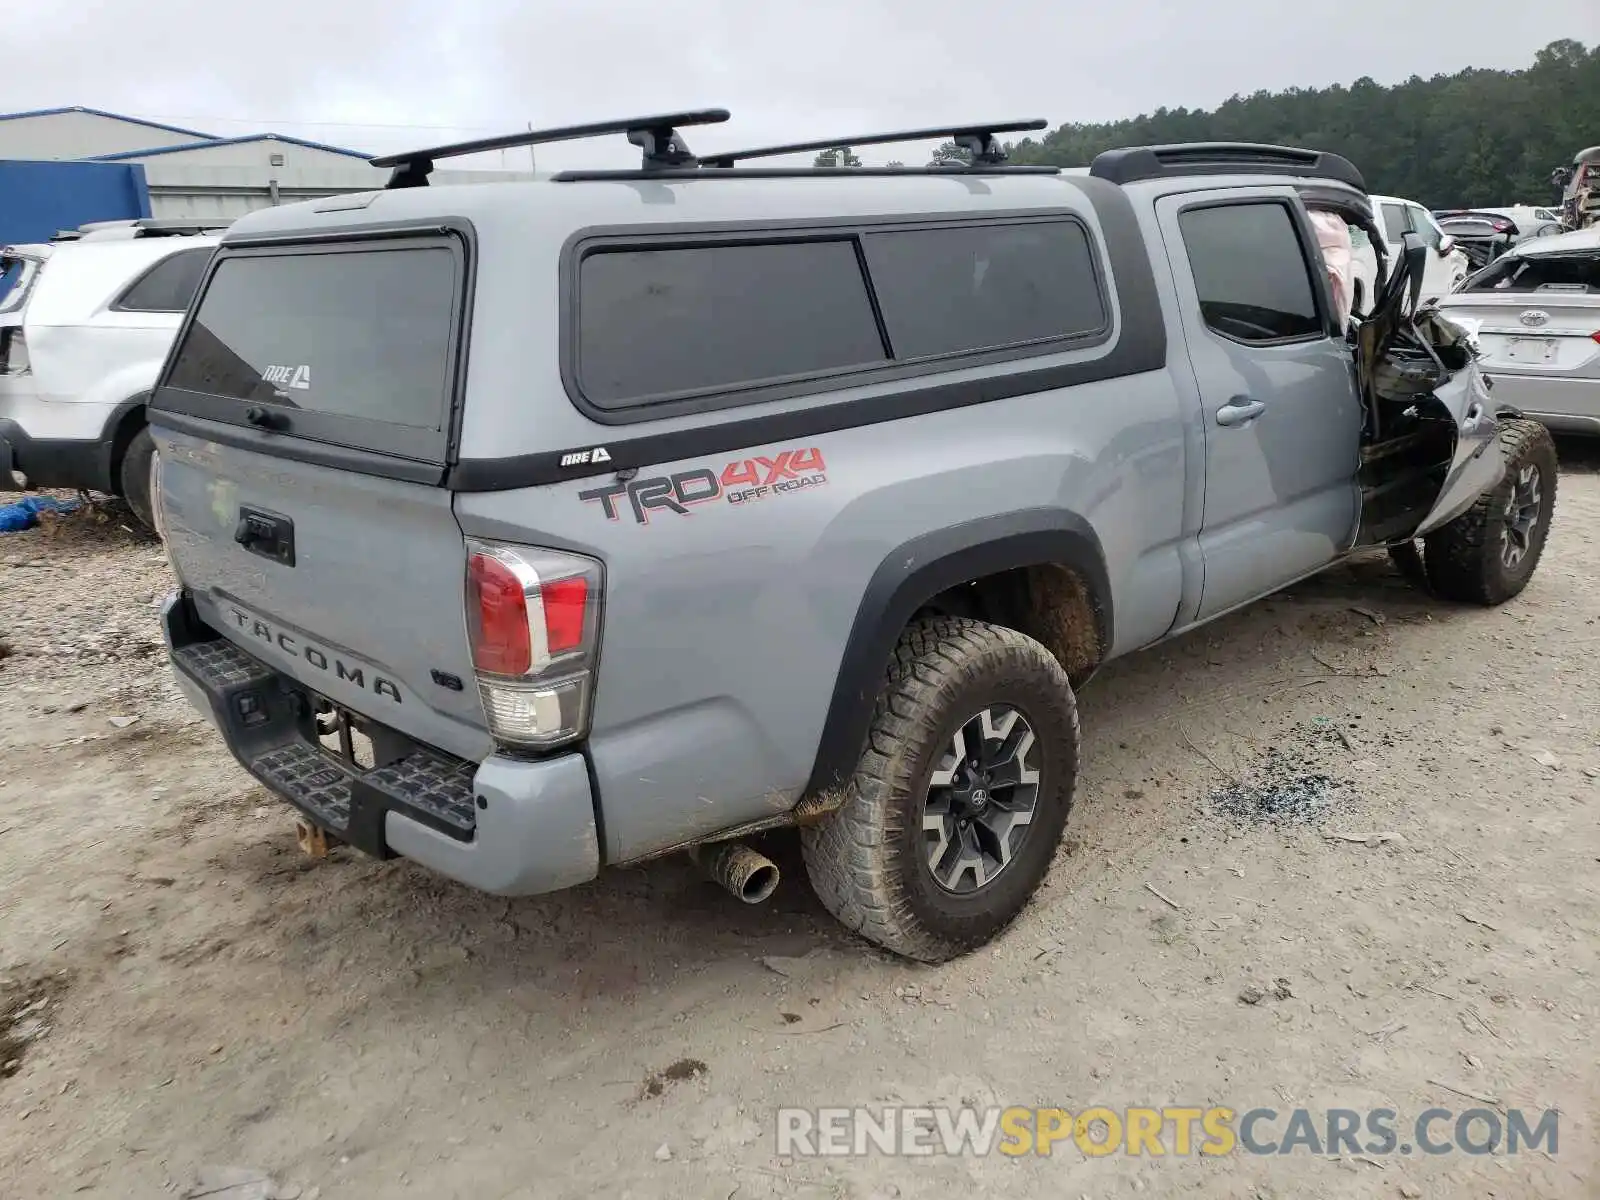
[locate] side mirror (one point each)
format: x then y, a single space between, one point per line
1446 244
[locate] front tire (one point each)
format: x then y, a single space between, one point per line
1489 553
134 477
960 797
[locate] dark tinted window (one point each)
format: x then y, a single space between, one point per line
168 286
1394 220
684 319
1422 225
356 333
1251 272
948 290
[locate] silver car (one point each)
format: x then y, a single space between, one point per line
1536 313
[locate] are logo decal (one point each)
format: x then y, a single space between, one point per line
298 378
742 482
580 458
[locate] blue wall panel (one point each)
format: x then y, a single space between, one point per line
39 198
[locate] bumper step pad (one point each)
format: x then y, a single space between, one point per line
265 718
308 779
219 665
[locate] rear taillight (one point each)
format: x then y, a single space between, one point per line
533 618
1596 335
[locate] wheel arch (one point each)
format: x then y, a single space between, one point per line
126 420
1007 569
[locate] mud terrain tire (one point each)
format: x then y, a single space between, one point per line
951 682
1488 554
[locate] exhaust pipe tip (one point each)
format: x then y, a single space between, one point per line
747 874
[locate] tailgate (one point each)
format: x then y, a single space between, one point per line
302 427
368 614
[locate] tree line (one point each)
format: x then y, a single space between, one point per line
1477 137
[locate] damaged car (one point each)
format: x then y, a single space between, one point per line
528 530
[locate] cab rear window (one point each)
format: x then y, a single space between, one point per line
334 339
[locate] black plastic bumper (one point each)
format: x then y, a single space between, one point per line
54 463
269 722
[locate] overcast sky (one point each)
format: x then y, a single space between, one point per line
383 75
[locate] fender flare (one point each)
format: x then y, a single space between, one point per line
913 574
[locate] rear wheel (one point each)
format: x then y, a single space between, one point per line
1488 554
134 477
961 796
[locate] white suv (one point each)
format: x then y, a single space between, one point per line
1446 267
84 328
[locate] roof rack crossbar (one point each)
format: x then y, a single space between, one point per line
656 136
944 170
979 138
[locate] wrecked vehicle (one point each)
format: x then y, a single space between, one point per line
1535 317
1580 189
530 529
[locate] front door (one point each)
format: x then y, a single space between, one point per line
1277 389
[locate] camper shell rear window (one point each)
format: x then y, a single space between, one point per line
353 343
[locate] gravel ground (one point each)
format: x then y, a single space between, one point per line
1338 850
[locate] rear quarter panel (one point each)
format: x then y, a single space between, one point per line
725 626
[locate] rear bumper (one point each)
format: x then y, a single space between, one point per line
1566 405
506 825
50 462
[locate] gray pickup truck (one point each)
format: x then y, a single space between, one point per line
532 528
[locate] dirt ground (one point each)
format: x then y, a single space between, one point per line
181 989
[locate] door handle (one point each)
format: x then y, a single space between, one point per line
1239 410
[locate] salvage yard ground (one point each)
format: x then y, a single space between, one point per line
1389 805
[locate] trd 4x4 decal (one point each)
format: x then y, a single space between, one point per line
741 482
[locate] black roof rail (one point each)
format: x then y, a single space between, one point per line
1132 163
656 136
978 137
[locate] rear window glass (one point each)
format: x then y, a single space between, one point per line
944 291
655 322
168 286
353 333
1540 272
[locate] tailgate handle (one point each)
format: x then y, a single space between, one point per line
267 534
263 418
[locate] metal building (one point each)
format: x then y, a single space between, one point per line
185 173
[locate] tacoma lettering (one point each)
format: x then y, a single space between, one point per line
345 672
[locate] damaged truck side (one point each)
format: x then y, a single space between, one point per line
529 529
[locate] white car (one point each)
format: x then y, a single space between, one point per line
1531 222
1447 266
1535 312
84 328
